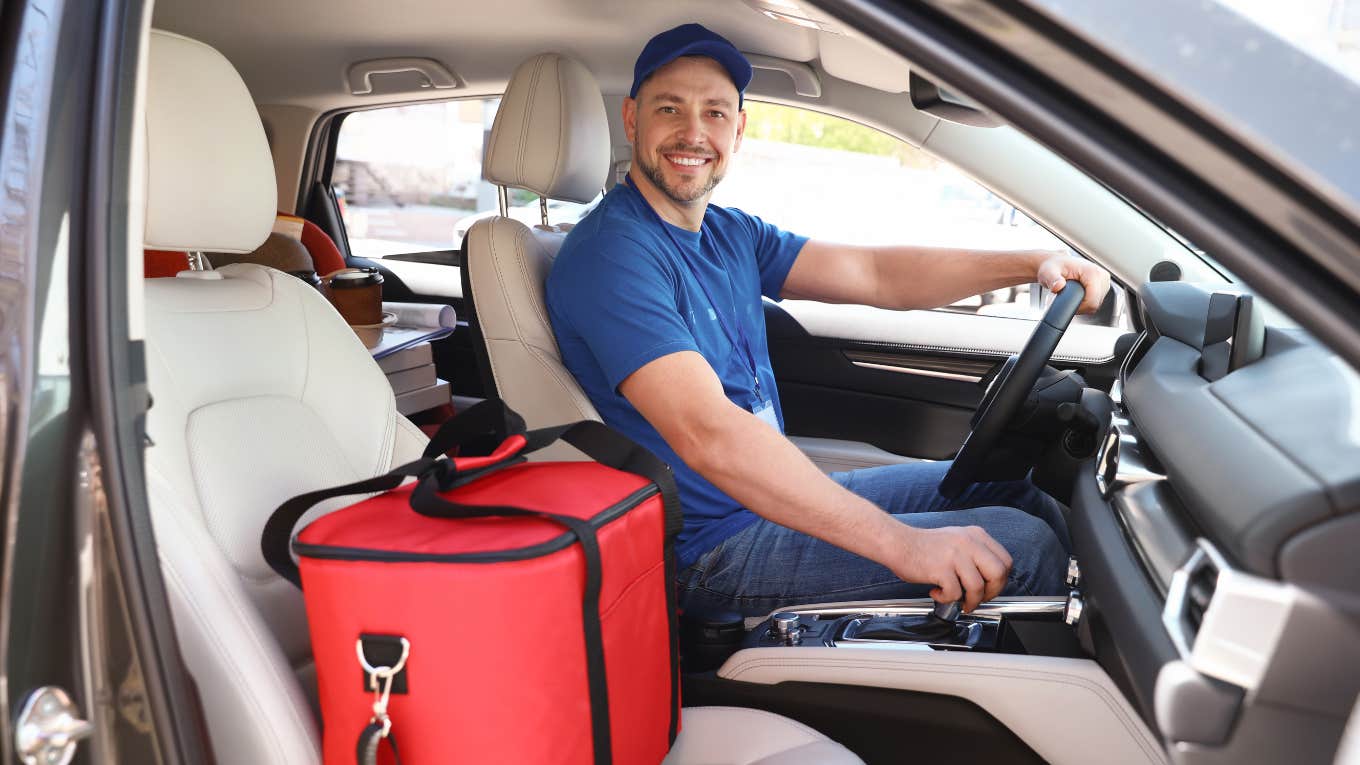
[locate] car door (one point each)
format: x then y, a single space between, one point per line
85 672
904 381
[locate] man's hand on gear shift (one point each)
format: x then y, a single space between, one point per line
963 562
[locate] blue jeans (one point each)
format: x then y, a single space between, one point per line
766 566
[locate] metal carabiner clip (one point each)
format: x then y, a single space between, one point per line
380 682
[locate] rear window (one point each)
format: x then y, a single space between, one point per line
409 178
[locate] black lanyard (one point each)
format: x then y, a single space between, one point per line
738 338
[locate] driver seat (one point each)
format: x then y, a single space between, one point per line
241 362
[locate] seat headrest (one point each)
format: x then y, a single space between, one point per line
210 175
551 135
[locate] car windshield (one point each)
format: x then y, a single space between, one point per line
1282 78
1327 30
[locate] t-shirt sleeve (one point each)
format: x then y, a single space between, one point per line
621 303
776 250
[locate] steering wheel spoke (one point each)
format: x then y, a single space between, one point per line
1008 391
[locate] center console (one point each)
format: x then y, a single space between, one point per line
1009 680
1023 626
999 627
1036 626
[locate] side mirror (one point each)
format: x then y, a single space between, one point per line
930 98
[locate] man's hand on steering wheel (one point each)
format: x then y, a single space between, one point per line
1012 385
1056 270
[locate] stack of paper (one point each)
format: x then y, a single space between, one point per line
412 376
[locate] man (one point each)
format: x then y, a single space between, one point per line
655 299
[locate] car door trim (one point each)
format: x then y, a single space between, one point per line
917 371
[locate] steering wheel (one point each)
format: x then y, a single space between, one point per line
1010 388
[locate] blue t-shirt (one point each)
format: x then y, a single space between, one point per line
621 294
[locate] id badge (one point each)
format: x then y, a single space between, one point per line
765 411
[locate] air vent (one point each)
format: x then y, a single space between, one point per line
1198 594
1188 598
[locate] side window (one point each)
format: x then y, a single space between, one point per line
831 178
409 177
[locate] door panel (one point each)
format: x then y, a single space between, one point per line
904 381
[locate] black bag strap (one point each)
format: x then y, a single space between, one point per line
425 500
370 738
488 421
594 439
278 530
611 449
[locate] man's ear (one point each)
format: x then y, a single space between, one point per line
741 129
630 119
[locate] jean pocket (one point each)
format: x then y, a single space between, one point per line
725 566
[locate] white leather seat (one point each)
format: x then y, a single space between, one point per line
741 736
260 393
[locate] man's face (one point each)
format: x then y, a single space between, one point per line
684 126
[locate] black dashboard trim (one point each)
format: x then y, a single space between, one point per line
1153 520
1117 589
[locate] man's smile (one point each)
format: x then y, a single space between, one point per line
687 160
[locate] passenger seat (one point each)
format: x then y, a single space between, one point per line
238 362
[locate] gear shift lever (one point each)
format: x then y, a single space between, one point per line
948 611
939 626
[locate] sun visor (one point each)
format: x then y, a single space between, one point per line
862 61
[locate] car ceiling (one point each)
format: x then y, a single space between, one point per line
299 52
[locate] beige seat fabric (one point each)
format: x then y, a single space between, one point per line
740 736
551 136
262 392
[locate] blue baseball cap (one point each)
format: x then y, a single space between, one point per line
691 40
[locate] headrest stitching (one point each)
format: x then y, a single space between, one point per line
562 123
529 248
528 120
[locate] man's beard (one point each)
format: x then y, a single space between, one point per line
653 173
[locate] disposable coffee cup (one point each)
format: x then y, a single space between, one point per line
357 294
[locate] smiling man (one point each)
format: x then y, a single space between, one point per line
655 299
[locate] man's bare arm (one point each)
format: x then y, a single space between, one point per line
682 398
909 277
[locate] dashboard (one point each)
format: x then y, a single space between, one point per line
1260 450
1216 534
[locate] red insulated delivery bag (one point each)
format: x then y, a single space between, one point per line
494 610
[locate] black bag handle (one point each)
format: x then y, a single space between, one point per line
486 420
491 417
594 439
370 739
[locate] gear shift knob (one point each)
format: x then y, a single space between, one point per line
948 611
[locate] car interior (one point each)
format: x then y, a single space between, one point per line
1207 448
